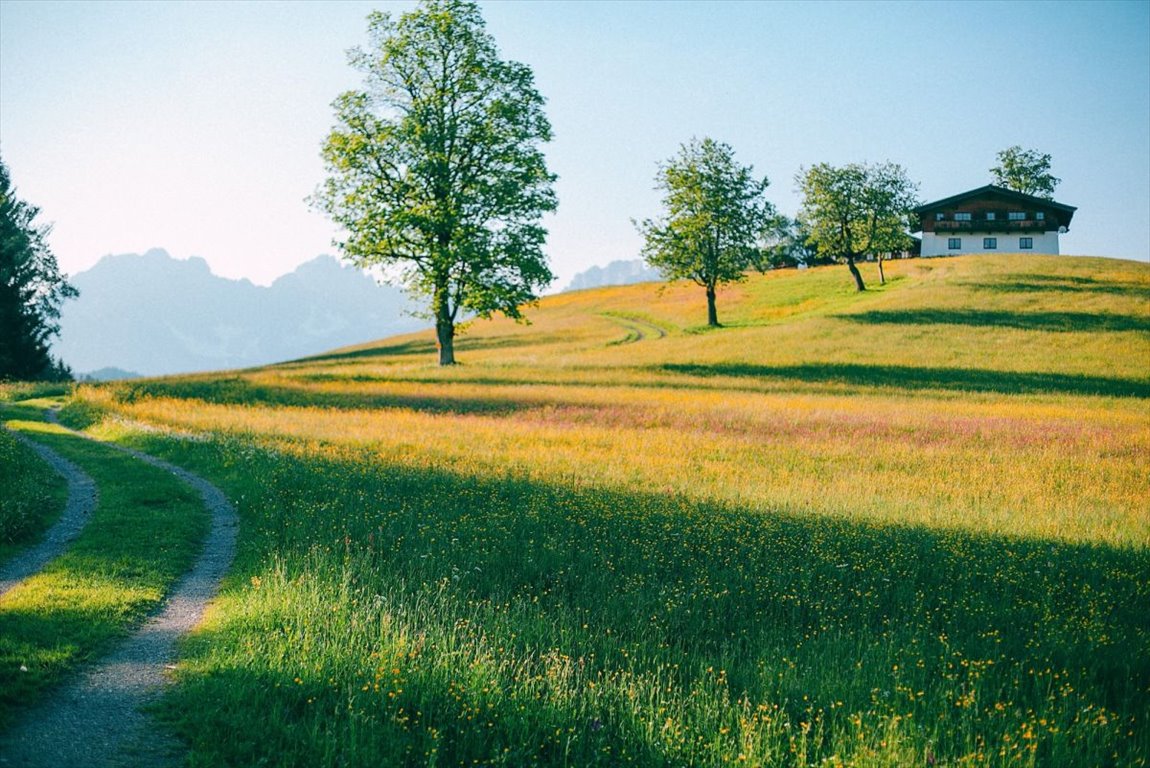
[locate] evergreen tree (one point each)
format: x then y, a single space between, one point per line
31 290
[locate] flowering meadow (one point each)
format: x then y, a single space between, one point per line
907 527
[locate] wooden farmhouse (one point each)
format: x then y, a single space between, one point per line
990 219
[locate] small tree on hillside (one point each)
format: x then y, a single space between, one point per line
715 217
1026 171
435 166
787 245
857 210
31 291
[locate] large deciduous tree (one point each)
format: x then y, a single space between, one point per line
435 166
31 290
714 218
857 210
1026 171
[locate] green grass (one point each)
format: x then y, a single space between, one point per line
34 496
146 530
907 527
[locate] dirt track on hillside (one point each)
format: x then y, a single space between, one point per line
96 720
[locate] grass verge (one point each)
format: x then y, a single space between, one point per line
33 498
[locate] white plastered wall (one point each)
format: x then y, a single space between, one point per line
935 243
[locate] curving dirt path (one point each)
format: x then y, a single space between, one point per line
82 497
96 720
637 329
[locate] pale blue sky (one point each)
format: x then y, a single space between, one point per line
196 126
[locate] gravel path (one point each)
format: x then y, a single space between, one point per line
96 721
81 501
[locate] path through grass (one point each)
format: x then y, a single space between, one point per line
823 535
144 533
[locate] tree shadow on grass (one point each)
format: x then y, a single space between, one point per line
985 318
1077 284
426 347
646 584
238 391
921 378
415 347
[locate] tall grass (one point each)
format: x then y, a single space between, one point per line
845 530
33 496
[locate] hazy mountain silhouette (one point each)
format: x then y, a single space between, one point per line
154 314
108 374
615 273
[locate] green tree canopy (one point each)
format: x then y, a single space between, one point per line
856 210
31 290
714 218
1026 171
787 244
435 166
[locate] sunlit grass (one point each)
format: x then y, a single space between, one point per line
908 527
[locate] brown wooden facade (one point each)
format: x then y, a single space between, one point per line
993 209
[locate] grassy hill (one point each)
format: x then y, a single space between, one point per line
901 527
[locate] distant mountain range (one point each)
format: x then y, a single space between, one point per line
615 273
152 314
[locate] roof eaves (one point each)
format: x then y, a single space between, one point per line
1020 196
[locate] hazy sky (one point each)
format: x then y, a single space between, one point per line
196 126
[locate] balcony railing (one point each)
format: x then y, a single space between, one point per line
997 225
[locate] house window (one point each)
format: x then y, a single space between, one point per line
962 217
989 243
990 215
1025 243
1016 215
1040 215
940 217
954 243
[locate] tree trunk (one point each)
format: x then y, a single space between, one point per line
445 341
881 274
444 327
712 312
855 271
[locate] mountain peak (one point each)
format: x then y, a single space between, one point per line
155 314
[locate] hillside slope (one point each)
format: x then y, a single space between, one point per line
908 527
1009 323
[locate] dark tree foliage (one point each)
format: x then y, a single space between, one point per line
31 291
787 245
1026 171
857 210
435 167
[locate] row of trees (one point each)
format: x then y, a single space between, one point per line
717 224
434 169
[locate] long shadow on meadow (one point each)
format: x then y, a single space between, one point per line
239 391
476 579
427 348
923 378
987 318
1072 284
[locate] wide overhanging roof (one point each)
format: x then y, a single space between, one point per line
1009 195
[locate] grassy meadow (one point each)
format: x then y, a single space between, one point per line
904 527
33 497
